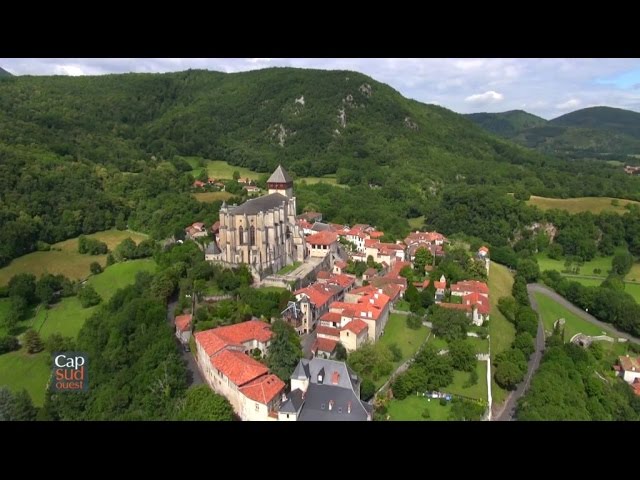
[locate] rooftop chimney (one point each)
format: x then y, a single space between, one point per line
335 378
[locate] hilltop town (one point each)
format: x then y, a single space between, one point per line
345 280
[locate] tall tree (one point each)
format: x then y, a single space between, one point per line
200 403
33 341
285 350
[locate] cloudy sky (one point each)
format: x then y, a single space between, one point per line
545 87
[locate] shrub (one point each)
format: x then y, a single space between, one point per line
9 343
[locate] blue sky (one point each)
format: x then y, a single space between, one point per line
547 87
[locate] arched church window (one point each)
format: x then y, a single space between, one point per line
241 235
252 235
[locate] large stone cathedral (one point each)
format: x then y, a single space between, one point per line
262 232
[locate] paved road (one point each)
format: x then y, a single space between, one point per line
536 287
193 373
507 413
307 342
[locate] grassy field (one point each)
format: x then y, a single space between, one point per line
416 223
208 197
220 170
580 204
552 311
501 331
272 289
587 282
411 408
289 268
396 331
402 305
634 274
479 390
66 259
602 263
20 370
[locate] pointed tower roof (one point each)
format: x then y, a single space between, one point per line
280 176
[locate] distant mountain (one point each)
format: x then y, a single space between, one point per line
595 132
4 73
603 118
506 124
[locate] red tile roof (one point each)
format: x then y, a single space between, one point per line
341 264
331 317
483 249
198 184
322 238
356 326
330 331
370 272
324 275
198 225
210 342
245 331
238 367
342 279
468 286
440 285
263 389
376 234
215 227
183 322
319 293
428 237
324 345
304 224
370 242
630 364
480 301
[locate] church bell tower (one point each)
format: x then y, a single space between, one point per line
280 182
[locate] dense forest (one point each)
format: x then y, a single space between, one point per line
596 132
81 154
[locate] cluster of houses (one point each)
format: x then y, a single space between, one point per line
320 389
629 369
632 170
337 307
247 184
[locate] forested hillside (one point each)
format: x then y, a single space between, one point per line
81 154
596 132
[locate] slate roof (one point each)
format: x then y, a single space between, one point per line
293 403
319 398
260 204
280 176
212 249
340 387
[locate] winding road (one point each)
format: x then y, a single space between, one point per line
193 373
507 413
537 288
508 410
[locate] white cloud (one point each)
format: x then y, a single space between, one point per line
71 70
569 104
486 97
258 60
